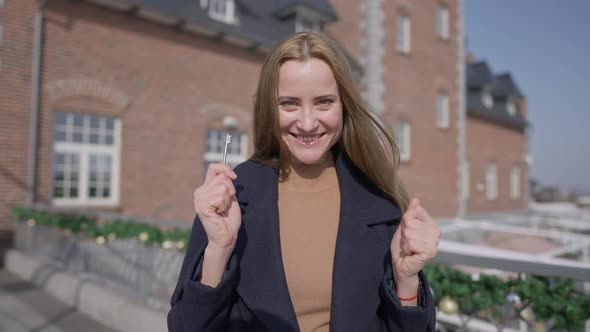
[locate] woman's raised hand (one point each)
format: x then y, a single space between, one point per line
217 207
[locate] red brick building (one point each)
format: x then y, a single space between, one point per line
131 97
497 153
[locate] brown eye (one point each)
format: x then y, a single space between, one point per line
288 103
325 102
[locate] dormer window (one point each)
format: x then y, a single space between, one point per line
304 24
222 10
487 100
511 108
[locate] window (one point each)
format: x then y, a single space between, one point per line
491 182
403 140
403 34
466 182
304 24
236 151
442 21
515 182
511 108
487 99
222 10
85 159
442 111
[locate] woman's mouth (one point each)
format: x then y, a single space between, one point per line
307 139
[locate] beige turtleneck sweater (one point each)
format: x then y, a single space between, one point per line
309 211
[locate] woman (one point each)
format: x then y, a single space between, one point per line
303 237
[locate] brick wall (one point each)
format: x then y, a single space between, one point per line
176 85
506 147
168 86
16 19
412 83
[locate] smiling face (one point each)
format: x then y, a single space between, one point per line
310 110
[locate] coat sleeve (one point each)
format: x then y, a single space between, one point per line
406 318
197 307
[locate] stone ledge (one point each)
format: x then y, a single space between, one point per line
96 301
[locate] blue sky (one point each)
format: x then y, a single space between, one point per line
546 46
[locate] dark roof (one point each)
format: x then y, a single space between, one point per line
258 21
323 7
504 86
479 74
498 113
503 89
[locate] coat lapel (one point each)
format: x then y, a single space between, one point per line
263 285
367 222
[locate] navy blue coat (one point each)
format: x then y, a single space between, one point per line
253 294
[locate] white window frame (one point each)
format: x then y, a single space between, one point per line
511 107
466 180
442 21
442 111
403 38
227 17
404 133
233 159
491 181
487 99
300 25
84 150
515 183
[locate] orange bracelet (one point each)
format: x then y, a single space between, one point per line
405 298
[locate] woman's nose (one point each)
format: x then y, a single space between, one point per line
307 120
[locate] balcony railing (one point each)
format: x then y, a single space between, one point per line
148 273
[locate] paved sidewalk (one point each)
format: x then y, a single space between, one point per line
25 308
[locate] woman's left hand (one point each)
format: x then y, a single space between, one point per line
414 243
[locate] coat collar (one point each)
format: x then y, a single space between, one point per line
364 202
263 286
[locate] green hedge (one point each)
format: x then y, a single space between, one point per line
115 229
550 298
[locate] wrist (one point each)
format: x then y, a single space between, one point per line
218 253
406 287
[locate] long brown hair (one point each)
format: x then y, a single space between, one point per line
365 138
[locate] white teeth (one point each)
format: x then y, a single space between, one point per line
307 139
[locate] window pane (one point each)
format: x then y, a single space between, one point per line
109 140
59 136
92 192
58 192
75 159
400 33
74 176
93 139
78 120
106 192
110 123
59 159
94 122
59 118
58 176
74 192
77 137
